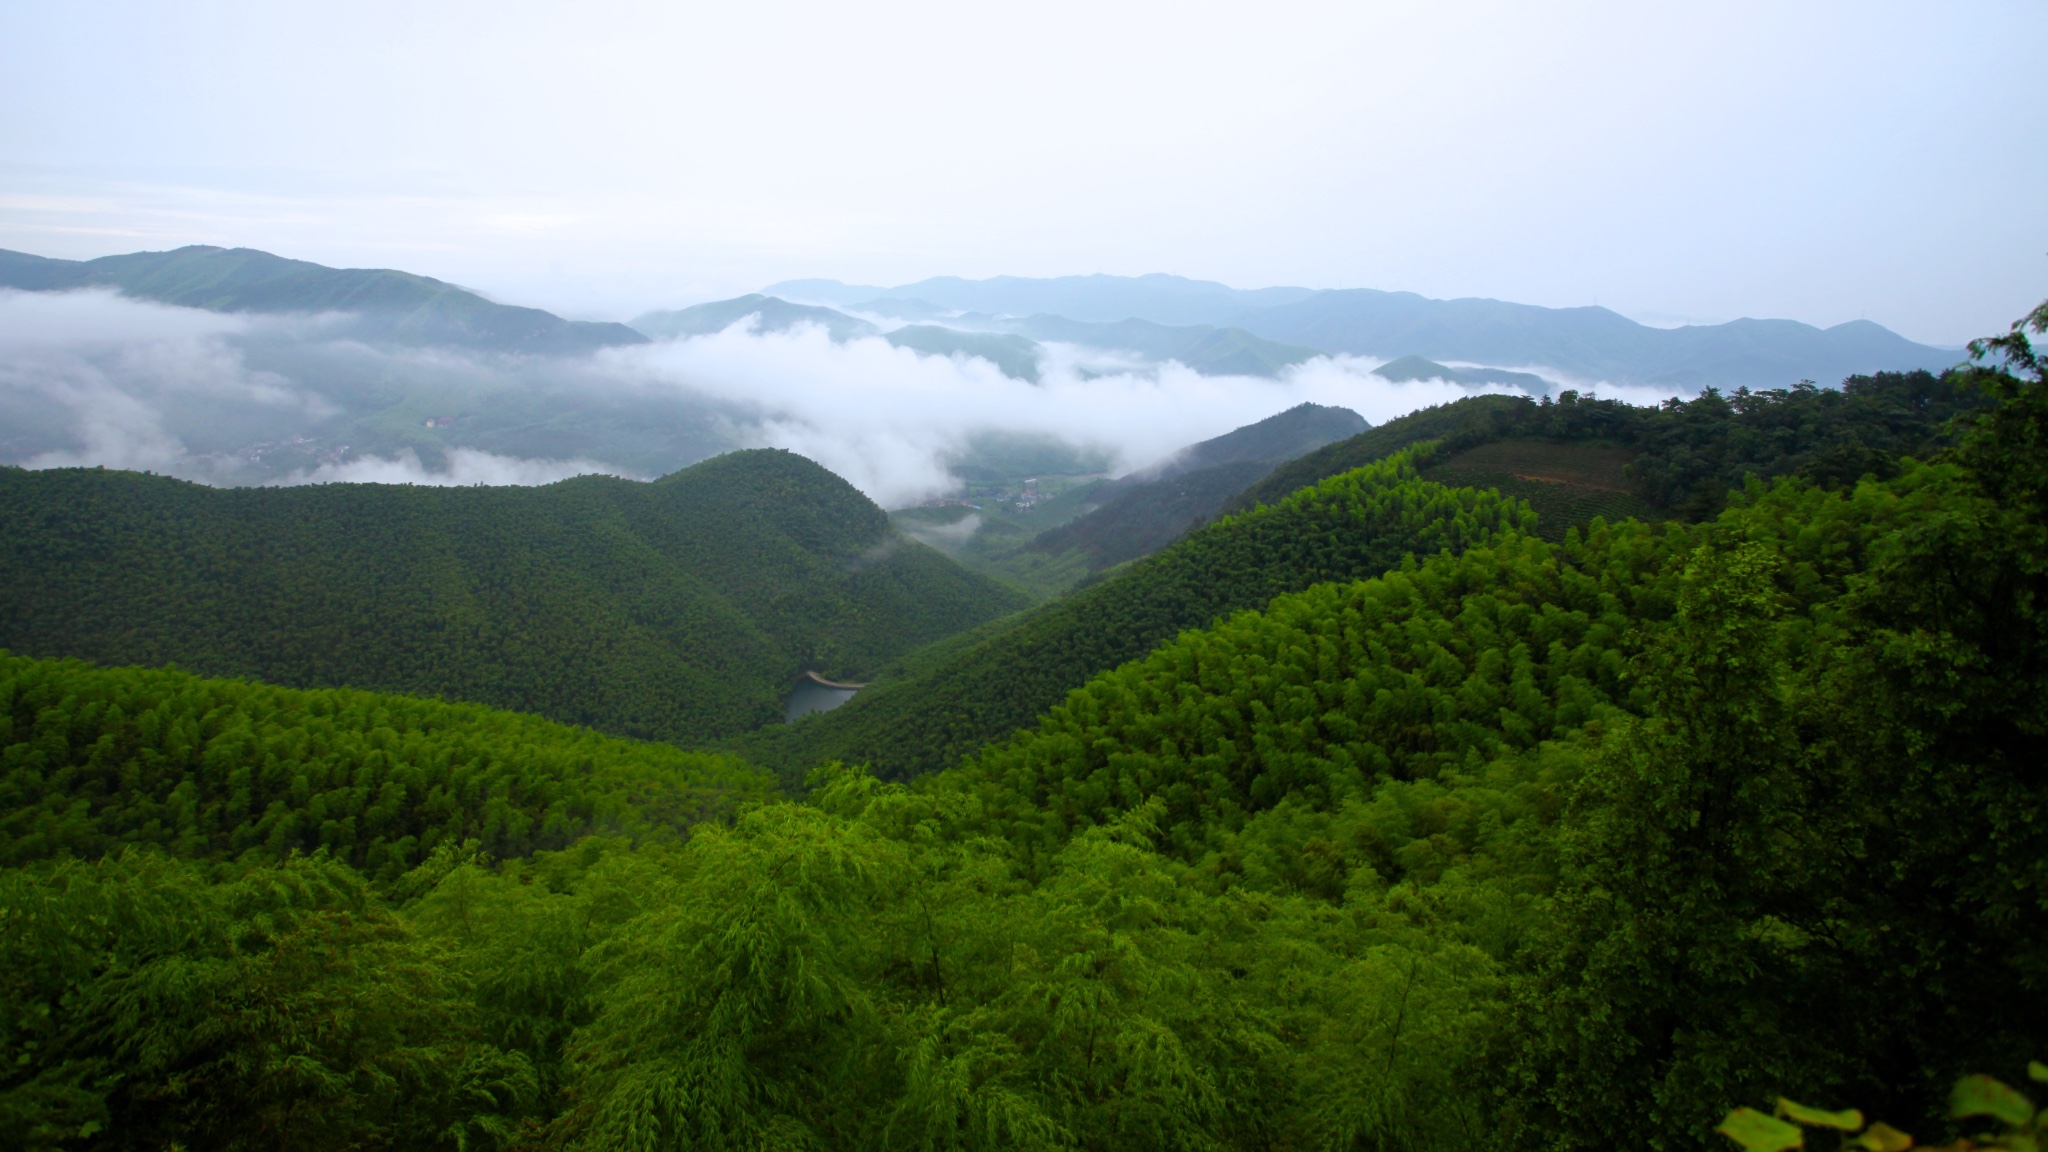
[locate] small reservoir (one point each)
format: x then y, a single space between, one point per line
814 693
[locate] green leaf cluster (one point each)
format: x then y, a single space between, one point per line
1974 1097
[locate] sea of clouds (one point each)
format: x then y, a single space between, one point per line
94 378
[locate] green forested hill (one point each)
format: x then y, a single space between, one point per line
1361 523
1569 462
1689 454
1672 787
388 304
198 884
680 609
1567 482
1520 844
96 759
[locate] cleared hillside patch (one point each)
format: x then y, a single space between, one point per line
1567 484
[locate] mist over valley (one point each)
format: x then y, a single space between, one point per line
237 367
905 577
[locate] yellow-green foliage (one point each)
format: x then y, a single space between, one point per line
95 758
1331 692
1974 1101
1344 528
1515 845
156 1003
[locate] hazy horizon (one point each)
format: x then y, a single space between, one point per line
1817 162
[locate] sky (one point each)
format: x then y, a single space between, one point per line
1675 162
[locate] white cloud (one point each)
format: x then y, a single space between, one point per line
888 419
466 467
945 537
112 372
94 378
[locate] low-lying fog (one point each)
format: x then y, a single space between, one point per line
93 378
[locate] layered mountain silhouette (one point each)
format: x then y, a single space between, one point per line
1209 350
1015 355
1013 345
769 315
1590 343
1160 298
387 305
1210 327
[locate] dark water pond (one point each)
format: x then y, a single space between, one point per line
810 696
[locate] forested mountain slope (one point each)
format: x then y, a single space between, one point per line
1281 436
1584 458
1687 455
1141 513
93 760
1668 785
680 609
199 880
390 305
1360 523
1520 845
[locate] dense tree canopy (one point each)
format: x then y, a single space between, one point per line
93 759
988 685
1690 454
1680 460
1511 843
681 609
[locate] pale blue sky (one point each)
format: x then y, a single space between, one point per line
1819 161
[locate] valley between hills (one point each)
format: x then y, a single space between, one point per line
1531 769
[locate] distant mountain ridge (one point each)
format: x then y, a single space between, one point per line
1592 343
1015 355
1011 345
1589 343
393 306
1158 297
1211 327
775 315
1207 349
